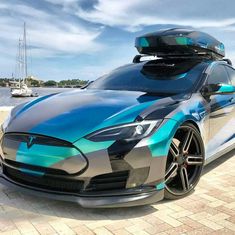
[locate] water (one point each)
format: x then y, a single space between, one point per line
7 100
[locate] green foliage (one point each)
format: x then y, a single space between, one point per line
72 82
33 82
50 83
4 82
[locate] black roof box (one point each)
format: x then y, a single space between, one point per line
180 43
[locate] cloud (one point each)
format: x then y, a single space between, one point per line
47 30
135 14
50 34
85 38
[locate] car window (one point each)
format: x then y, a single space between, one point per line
218 75
231 73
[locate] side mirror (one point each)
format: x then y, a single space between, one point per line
218 89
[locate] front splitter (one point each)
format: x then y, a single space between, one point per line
90 201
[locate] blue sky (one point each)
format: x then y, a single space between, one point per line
87 38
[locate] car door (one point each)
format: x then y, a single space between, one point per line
221 118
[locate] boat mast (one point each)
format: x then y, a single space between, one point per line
20 60
25 54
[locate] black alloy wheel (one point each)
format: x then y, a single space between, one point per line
185 162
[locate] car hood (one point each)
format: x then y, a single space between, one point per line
72 115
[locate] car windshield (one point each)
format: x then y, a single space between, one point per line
157 76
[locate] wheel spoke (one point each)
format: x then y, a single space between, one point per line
187 141
185 161
184 178
194 160
172 171
174 150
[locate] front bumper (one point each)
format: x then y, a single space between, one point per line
103 184
124 199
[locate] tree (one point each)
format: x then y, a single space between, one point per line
50 83
33 82
72 83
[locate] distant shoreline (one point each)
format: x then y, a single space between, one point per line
32 82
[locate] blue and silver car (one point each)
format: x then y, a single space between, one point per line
132 137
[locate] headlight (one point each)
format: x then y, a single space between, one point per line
131 131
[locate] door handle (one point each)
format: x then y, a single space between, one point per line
231 100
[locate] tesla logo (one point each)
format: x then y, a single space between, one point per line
30 141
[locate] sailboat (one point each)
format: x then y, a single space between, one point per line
21 89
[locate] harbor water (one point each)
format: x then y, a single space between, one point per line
7 100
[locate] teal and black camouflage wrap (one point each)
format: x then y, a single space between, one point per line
45 140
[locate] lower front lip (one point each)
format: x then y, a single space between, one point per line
91 201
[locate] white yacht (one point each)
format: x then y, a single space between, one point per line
22 90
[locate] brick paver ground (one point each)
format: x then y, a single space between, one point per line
209 210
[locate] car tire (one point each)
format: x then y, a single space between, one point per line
185 162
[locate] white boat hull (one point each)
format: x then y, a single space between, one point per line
21 92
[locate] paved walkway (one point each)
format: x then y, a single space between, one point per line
209 210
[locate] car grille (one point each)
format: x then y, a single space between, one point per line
46 170
37 139
111 181
43 182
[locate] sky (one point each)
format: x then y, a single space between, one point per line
71 39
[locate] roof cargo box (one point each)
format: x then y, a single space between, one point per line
180 43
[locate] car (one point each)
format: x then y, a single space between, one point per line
137 135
